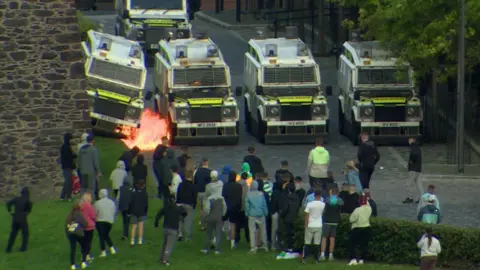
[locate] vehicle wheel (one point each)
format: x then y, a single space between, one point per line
341 119
248 118
261 129
355 131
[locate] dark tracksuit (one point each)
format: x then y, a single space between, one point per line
139 170
182 163
139 203
187 196
158 155
280 172
22 206
256 165
166 172
173 214
351 201
127 157
288 216
277 202
123 205
67 159
368 157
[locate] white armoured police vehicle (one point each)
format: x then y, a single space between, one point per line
192 91
283 99
116 77
377 94
148 21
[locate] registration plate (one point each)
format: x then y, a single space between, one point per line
296 123
390 125
206 125
108 118
154 46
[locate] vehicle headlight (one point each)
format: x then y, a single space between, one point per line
132 112
366 112
140 34
414 111
228 112
272 111
319 110
183 113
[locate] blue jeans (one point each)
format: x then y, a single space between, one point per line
67 184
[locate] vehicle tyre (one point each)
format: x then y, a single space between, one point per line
248 118
261 128
341 119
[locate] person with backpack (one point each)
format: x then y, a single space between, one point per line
75 223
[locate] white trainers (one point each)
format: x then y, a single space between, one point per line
253 251
89 258
360 262
331 258
73 267
84 265
204 251
322 257
214 240
103 254
132 242
353 262
113 251
217 252
140 241
232 244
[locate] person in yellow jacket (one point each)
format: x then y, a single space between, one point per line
317 165
246 169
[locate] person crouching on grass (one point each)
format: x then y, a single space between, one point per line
138 211
360 233
313 226
172 214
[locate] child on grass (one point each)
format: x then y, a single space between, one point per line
118 176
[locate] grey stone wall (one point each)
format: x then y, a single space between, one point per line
42 91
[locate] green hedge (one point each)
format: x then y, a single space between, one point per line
394 241
85 24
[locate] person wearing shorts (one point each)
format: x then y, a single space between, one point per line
331 218
138 211
313 227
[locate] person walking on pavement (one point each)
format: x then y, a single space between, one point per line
368 157
317 164
182 161
201 180
106 210
414 171
22 207
172 214
255 163
187 198
89 165
67 159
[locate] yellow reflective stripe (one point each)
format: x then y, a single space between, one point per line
389 100
113 95
205 101
296 99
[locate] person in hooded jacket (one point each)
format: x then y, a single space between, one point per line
215 209
167 163
74 225
256 210
139 170
128 156
90 215
89 165
118 176
243 221
106 210
277 201
284 170
158 156
187 197
368 157
268 219
317 164
67 160
253 161
246 170
214 184
201 178
124 200
82 143
232 192
289 215
138 210
22 207
224 177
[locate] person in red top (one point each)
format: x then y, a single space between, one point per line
90 216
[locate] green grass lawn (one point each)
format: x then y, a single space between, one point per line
49 249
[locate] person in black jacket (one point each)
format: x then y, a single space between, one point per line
289 215
414 171
351 200
187 197
284 170
277 202
232 193
128 156
182 160
158 154
138 211
371 202
201 178
256 165
173 214
299 190
67 159
22 206
124 201
368 157
139 170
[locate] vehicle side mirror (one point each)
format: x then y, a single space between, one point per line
171 97
238 91
149 95
329 90
125 14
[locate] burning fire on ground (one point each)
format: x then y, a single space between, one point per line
152 129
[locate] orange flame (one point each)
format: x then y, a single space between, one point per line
152 129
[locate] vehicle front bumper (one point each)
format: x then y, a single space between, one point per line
279 132
396 133
107 123
207 133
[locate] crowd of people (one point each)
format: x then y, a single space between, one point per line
264 208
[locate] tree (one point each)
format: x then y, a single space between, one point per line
422 32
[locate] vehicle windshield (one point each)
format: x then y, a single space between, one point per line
383 76
157 4
219 92
289 91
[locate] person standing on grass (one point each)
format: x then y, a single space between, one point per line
414 171
430 248
256 210
89 165
75 223
331 219
243 221
159 153
118 176
215 209
313 227
128 156
138 210
139 170
268 219
289 215
124 201
214 185
89 214
167 163
67 160
277 202
232 192
82 143
360 233
187 198
317 164
368 157
22 207
182 161
173 214
176 181
201 178
106 210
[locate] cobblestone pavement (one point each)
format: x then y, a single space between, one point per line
457 202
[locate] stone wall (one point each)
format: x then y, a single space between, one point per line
42 91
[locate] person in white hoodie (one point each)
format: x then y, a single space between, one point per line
429 250
118 176
83 142
106 210
214 184
176 180
317 164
